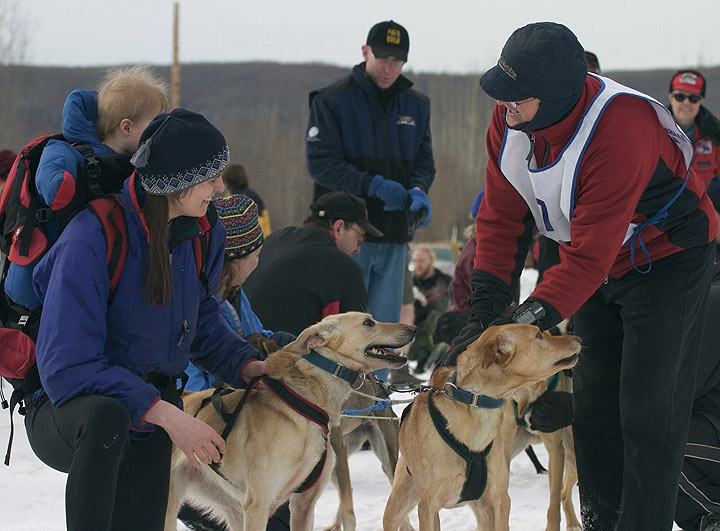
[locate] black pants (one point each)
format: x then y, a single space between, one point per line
113 482
634 388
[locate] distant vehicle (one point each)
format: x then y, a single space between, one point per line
446 255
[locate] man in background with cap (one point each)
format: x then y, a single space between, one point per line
687 94
369 135
605 171
306 273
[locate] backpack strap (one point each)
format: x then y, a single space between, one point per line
93 169
112 219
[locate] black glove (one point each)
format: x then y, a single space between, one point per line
448 326
552 411
468 335
488 299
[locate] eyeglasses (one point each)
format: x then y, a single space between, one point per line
513 105
361 235
694 98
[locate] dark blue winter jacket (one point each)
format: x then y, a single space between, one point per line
352 137
87 347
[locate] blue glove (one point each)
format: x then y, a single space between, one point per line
419 204
392 193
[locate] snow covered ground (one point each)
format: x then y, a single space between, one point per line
34 493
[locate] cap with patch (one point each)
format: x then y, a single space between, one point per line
389 39
541 60
688 81
239 215
349 208
178 150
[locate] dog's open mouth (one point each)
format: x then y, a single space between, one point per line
380 353
571 361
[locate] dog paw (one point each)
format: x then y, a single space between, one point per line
333 527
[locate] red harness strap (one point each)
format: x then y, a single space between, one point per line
307 409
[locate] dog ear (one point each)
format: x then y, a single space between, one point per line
499 351
308 339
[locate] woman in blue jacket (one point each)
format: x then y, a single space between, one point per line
109 410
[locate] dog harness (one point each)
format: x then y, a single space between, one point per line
551 386
307 409
476 465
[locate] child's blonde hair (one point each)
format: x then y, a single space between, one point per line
131 92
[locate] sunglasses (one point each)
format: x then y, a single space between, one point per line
694 98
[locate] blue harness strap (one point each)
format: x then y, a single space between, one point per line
659 216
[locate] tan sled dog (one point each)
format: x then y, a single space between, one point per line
442 424
562 469
272 450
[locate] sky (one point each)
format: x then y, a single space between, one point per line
446 36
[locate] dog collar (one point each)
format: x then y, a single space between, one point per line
354 378
453 392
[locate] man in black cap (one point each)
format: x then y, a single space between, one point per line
306 273
369 135
603 170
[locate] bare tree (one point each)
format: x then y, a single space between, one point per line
13 53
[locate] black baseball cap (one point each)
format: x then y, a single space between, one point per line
349 208
389 39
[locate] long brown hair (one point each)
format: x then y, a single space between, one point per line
158 275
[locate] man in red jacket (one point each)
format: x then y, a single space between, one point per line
687 94
604 171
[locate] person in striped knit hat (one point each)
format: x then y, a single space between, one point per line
244 240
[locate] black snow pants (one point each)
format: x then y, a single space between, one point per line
633 390
113 482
